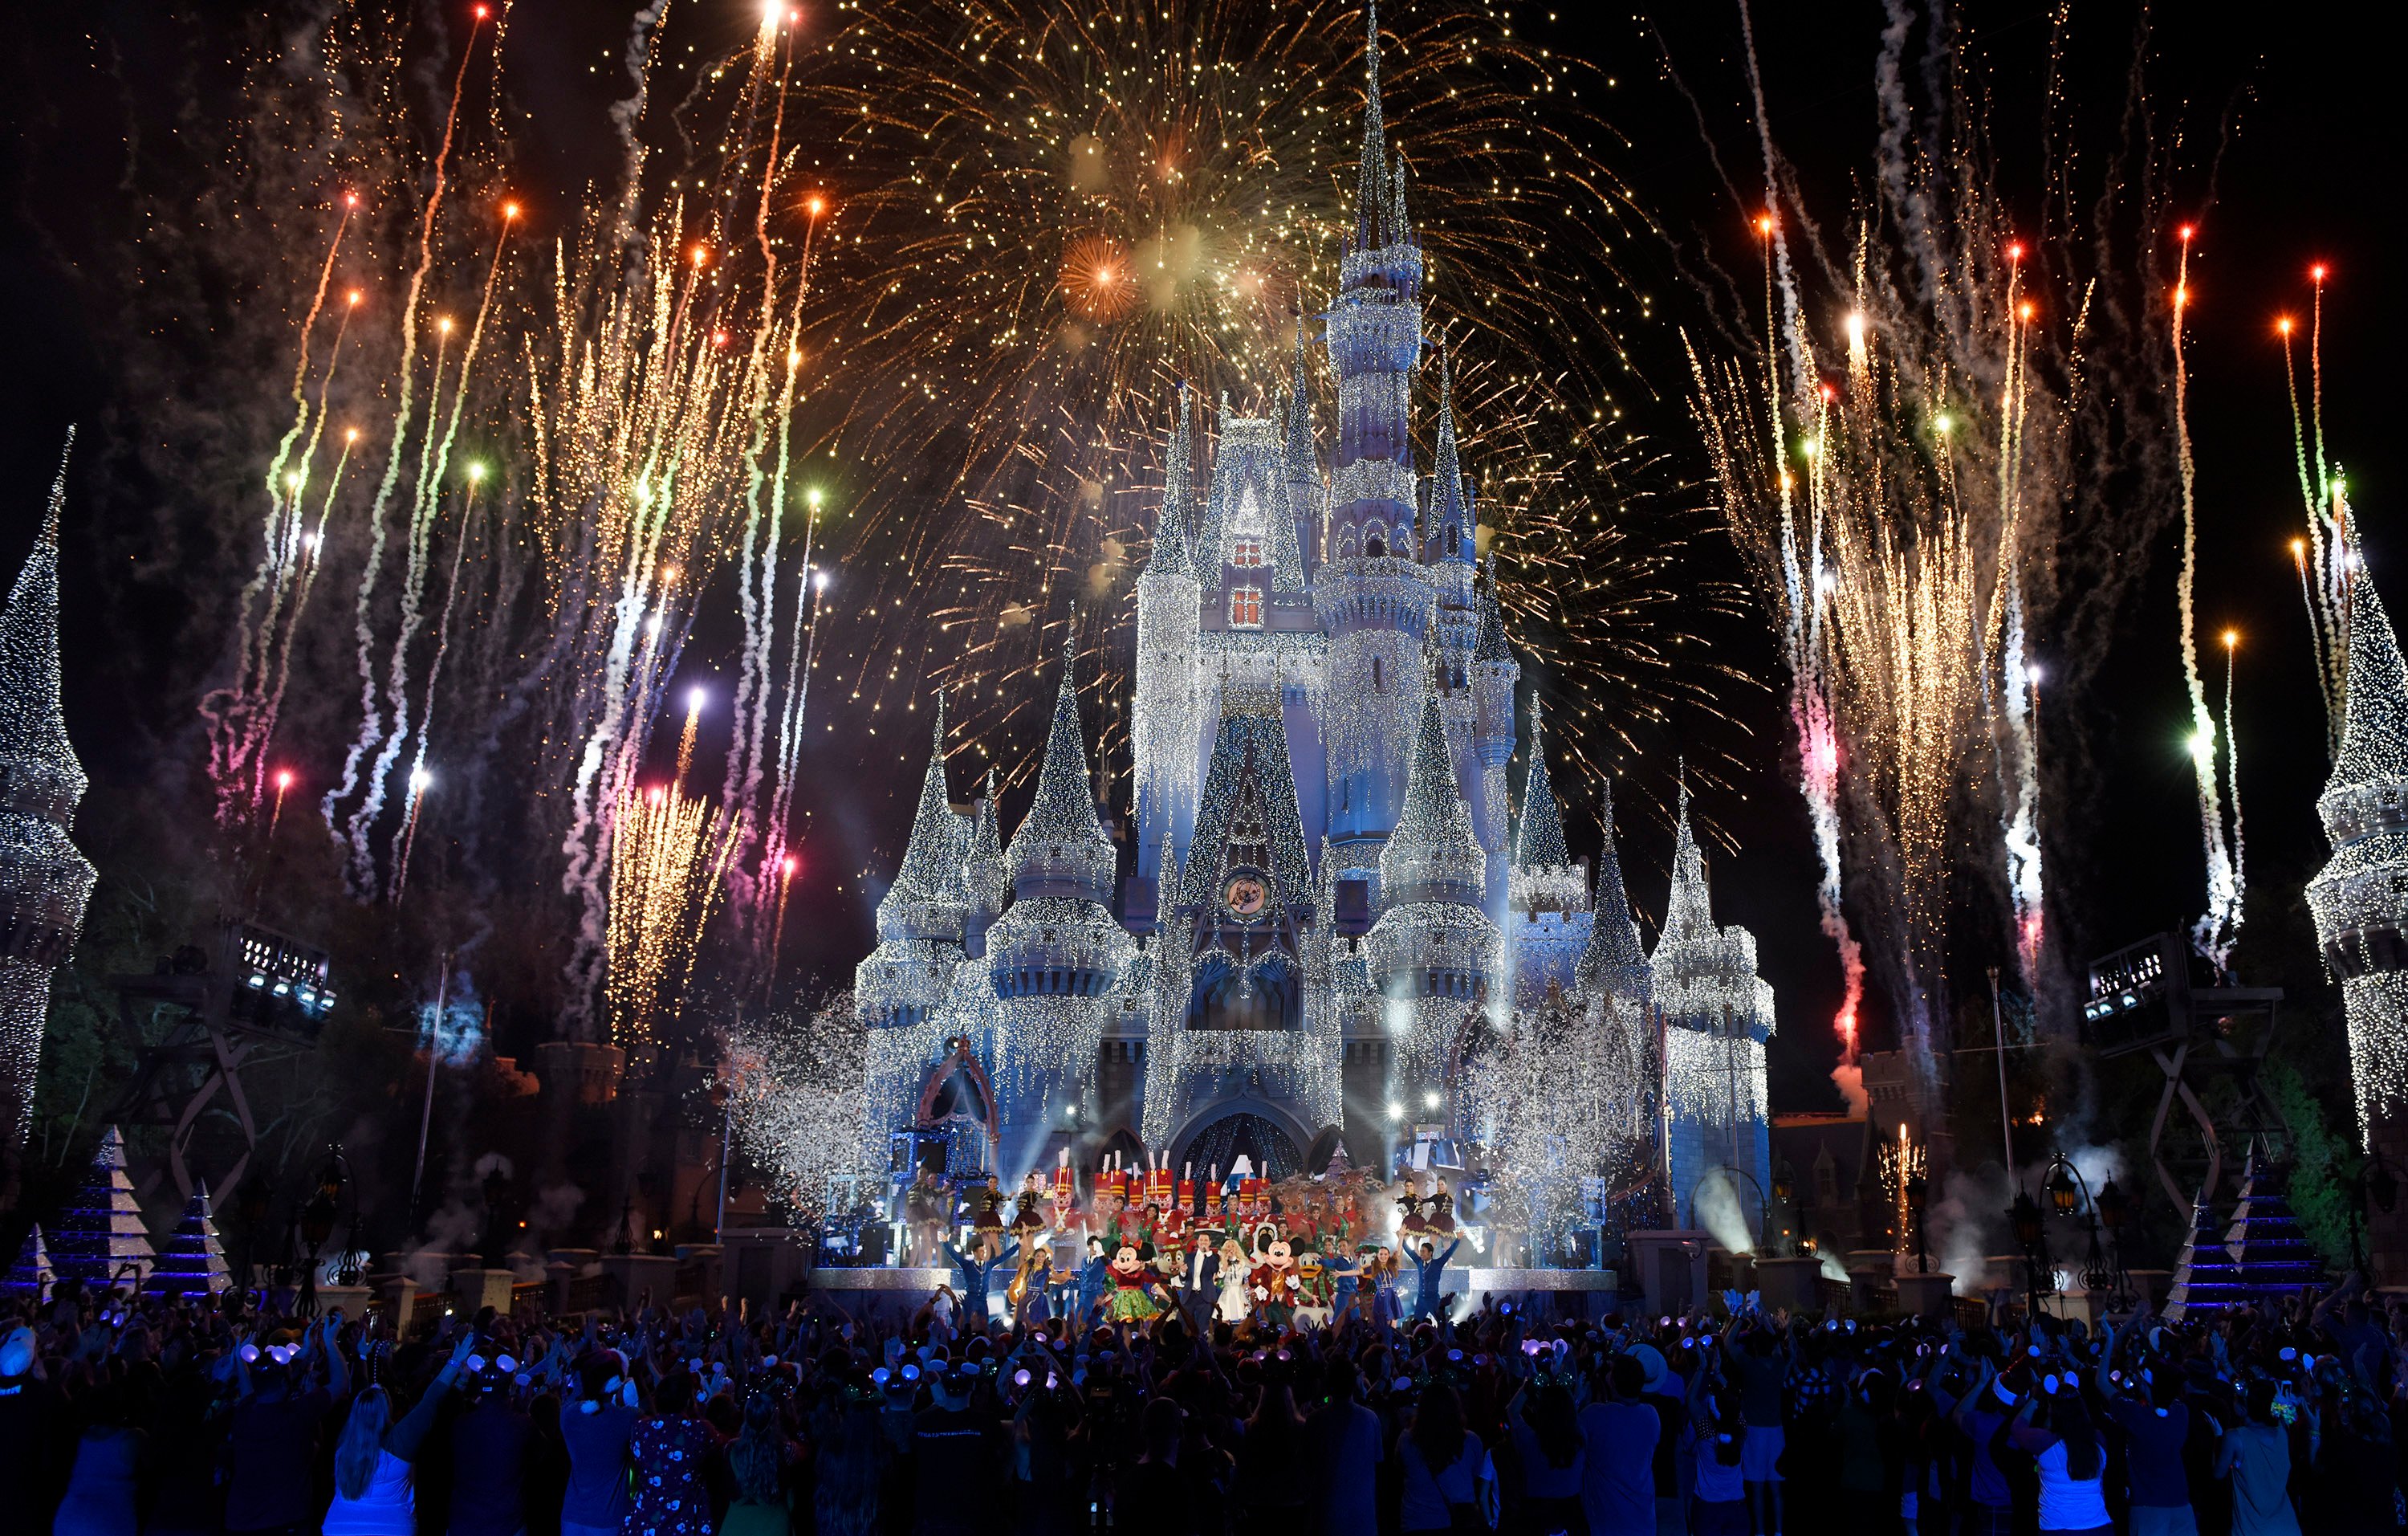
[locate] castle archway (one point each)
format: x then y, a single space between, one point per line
1271 1138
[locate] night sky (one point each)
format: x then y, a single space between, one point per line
2282 137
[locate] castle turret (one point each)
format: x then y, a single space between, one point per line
986 880
1551 922
1373 602
1614 965
1304 487
44 878
1057 954
1434 950
2360 896
1494 673
1164 728
1717 1013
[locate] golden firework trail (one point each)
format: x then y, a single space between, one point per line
668 857
1046 216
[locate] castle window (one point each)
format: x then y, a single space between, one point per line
1246 608
1375 674
1246 551
1454 540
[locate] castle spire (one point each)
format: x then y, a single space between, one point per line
1433 855
33 722
1614 946
2374 732
924 901
1300 409
1170 554
45 880
1491 645
1453 523
1060 848
1371 191
1687 912
1538 842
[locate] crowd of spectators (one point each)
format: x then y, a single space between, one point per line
125 1413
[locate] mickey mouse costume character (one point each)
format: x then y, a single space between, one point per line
1276 1284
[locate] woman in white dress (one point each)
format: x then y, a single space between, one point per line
1237 1296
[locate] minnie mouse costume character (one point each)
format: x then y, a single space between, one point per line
1134 1286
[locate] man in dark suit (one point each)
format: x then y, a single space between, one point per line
1199 1281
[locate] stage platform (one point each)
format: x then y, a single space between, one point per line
1588 1292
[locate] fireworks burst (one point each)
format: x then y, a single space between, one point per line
669 857
1049 215
1897 462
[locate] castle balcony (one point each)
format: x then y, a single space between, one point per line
1394 269
1057 947
2357 811
1374 593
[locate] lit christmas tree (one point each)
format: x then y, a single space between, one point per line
101 1238
195 1263
44 881
32 1274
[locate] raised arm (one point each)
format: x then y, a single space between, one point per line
405 1438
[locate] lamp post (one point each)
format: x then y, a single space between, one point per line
2070 1193
2113 1208
2031 1236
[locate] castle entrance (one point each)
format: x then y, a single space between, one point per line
1219 1136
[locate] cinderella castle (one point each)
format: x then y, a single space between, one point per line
1327 906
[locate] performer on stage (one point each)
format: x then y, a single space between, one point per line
925 1211
1134 1287
986 1217
1092 1280
1385 1307
1237 1293
1026 1217
1413 1223
1345 1272
1441 1211
974 1273
1276 1285
1429 1299
1199 1275
1027 1301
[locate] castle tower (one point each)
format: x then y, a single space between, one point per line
1616 992
1057 954
1614 965
1433 951
44 878
1246 1025
2360 896
1716 1015
1494 673
1373 602
1551 924
920 918
901 989
1163 727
